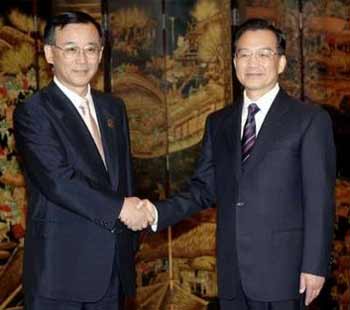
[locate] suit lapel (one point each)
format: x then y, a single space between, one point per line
75 129
269 130
108 127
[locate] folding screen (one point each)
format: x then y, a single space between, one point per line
171 64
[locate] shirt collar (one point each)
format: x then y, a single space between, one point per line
72 96
264 102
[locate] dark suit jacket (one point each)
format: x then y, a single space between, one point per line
72 228
274 216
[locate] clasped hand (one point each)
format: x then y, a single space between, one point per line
137 214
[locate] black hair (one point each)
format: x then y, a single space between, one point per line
66 18
261 24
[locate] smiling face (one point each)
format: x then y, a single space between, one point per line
256 73
75 72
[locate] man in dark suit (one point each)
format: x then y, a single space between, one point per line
268 162
74 142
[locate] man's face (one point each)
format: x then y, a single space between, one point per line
75 55
257 62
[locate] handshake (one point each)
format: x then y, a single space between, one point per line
137 214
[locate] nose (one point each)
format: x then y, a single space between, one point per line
253 58
81 57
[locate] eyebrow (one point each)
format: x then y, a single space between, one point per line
74 43
260 48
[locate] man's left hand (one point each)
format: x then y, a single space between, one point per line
311 285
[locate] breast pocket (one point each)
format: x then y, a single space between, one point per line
290 143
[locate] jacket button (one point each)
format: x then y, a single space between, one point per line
240 204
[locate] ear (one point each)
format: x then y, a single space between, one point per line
282 64
101 54
234 62
48 54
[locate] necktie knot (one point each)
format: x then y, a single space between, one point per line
84 106
253 109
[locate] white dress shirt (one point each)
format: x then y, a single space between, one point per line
264 103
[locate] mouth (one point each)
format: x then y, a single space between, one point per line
254 74
80 71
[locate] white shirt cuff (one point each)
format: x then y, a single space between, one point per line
154 226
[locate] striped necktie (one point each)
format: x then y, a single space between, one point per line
249 132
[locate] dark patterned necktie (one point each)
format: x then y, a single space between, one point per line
249 132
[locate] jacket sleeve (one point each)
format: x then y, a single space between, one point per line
48 168
318 183
200 193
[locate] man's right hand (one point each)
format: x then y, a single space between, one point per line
311 285
135 214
